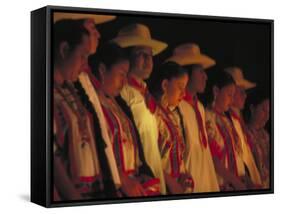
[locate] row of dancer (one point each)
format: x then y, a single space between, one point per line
116 136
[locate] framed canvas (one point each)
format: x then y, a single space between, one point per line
134 106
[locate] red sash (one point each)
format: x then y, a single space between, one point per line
242 124
149 100
194 104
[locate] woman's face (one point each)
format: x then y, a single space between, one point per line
114 78
76 59
175 89
89 24
261 113
224 97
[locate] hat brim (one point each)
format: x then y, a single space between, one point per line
201 59
246 84
99 19
130 41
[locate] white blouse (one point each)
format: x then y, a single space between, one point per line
199 160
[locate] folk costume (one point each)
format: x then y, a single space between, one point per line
247 154
91 99
198 160
172 144
239 125
126 142
74 141
224 144
260 141
139 100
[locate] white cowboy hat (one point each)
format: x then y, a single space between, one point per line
238 77
188 54
138 35
99 19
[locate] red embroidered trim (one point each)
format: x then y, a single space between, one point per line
151 182
174 138
227 153
88 178
120 142
119 137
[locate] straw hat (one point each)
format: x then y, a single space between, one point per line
237 75
99 19
188 54
138 35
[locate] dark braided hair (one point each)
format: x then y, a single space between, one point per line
109 187
108 54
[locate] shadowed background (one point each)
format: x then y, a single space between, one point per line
246 44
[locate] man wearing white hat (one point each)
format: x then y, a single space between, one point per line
240 96
142 48
199 162
89 21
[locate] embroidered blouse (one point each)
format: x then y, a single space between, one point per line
74 140
224 143
171 142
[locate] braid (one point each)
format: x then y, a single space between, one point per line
109 186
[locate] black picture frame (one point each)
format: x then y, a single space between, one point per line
41 101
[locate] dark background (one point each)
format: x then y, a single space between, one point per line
246 44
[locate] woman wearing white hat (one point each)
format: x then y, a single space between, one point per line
198 161
137 39
235 111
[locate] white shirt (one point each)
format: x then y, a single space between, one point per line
147 127
199 162
247 155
